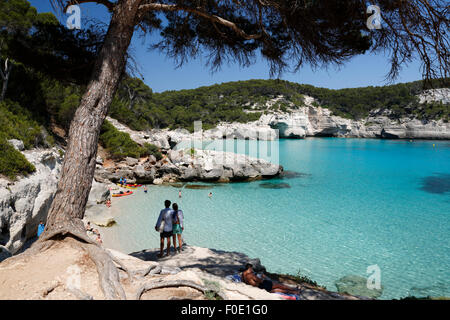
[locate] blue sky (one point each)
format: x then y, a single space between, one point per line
160 73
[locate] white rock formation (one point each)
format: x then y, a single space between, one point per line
222 166
25 202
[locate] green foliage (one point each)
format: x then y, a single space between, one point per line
151 149
238 101
17 122
120 145
17 15
12 162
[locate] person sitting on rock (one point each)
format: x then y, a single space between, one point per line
89 227
249 277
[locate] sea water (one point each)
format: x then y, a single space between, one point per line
354 203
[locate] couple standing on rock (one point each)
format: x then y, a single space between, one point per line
170 224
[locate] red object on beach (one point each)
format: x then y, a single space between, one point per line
122 194
134 185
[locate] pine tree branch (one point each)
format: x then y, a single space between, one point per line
213 18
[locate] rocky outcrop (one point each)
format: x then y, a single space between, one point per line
441 95
310 120
191 165
314 121
208 165
319 122
25 202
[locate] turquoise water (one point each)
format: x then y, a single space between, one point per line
357 203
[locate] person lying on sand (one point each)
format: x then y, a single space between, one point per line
249 277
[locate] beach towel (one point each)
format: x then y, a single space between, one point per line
288 296
234 277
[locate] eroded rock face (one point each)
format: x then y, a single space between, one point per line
209 165
313 121
27 201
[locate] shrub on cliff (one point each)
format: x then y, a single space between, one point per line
17 122
151 149
12 162
120 145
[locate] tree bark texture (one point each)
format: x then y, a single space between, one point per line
78 168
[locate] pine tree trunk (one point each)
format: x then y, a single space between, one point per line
78 168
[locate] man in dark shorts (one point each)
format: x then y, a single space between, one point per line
165 215
249 277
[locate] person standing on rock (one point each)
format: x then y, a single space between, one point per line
178 227
166 218
41 228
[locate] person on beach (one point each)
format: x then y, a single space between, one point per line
178 227
166 216
99 239
89 227
41 228
249 277
121 181
179 194
108 203
145 189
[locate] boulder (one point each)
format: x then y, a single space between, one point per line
99 193
131 161
144 174
17 144
158 181
100 215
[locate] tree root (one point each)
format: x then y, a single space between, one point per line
175 283
64 233
79 294
121 266
107 272
50 288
